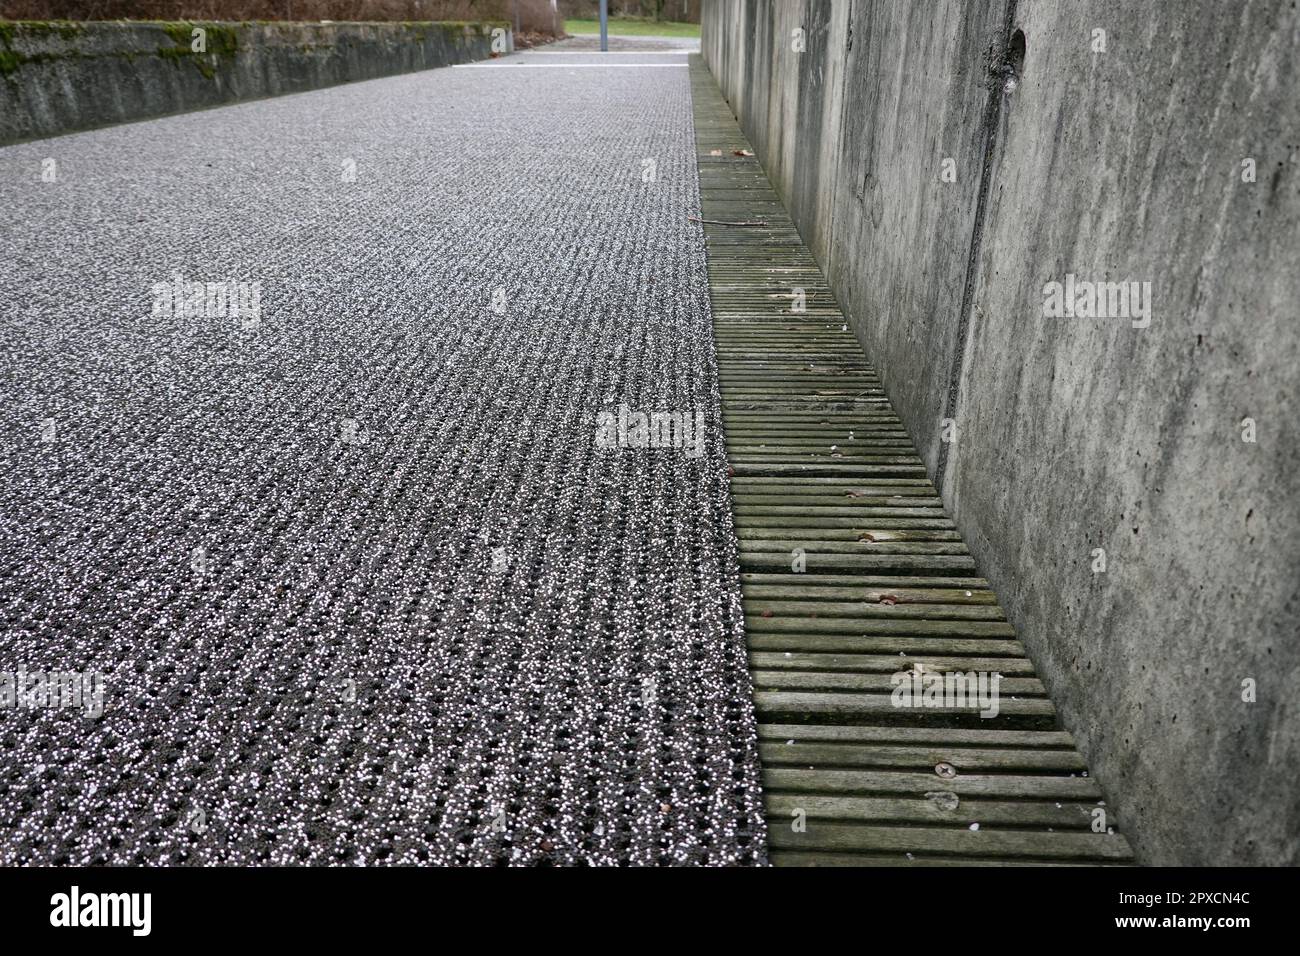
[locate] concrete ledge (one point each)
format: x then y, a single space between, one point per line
59 77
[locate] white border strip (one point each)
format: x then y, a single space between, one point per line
605 53
568 66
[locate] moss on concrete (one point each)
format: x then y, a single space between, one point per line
14 30
67 29
221 41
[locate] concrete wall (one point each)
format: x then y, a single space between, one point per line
59 77
1075 434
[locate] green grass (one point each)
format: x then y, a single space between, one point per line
634 28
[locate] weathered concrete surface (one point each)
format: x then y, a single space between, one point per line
59 77
1081 433
837 171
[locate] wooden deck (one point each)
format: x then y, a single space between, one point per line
827 480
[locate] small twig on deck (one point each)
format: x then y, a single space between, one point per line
723 222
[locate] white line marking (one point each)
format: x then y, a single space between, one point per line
568 66
606 53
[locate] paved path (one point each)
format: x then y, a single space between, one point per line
359 581
590 43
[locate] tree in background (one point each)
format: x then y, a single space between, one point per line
681 11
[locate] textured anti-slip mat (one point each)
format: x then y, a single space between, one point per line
352 568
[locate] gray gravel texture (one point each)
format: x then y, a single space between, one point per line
361 585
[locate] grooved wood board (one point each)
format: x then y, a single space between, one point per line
853 572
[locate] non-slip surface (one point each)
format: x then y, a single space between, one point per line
361 584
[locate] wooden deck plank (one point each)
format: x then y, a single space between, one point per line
853 572
957 841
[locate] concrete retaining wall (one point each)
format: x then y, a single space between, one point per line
1121 156
59 77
